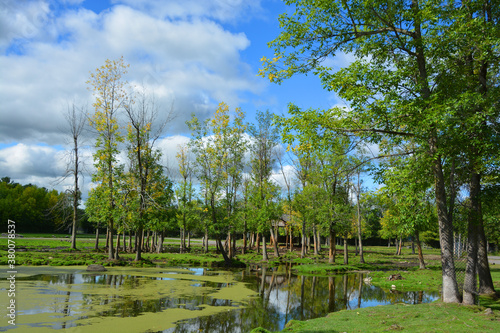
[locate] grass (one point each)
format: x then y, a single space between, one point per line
434 317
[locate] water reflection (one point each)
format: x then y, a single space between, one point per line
283 297
189 300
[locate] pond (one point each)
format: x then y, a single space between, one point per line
182 299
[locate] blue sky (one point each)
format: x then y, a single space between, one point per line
192 53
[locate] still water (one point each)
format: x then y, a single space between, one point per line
182 299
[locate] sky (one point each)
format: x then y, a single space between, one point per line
193 54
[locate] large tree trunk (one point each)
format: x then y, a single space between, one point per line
483 268
450 287
470 280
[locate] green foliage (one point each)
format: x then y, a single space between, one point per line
110 95
33 208
219 146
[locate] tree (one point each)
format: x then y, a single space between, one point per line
218 147
323 160
186 203
265 139
110 95
145 172
76 119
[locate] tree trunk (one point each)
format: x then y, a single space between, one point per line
315 240
275 243
346 253
107 238
470 280
483 268
230 247
303 251
96 246
331 252
130 241
224 254
421 263
206 240
138 245
319 241
244 237
181 244
75 212
117 244
258 243
264 248
450 287
159 247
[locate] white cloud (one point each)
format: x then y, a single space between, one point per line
222 10
195 64
20 20
21 159
169 148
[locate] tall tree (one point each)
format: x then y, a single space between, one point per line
76 119
145 170
323 160
265 139
109 90
186 203
217 145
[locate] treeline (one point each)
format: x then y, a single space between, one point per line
33 208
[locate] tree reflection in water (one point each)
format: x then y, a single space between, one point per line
279 296
283 297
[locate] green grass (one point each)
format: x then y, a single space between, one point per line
434 317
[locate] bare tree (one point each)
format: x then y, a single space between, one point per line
75 122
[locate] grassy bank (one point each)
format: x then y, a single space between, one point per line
434 317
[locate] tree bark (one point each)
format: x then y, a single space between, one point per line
470 281
275 243
332 251
486 285
96 246
450 287
138 245
264 248
421 263
346 253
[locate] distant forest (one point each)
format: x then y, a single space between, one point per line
34 209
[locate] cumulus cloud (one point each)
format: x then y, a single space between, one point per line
192 64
